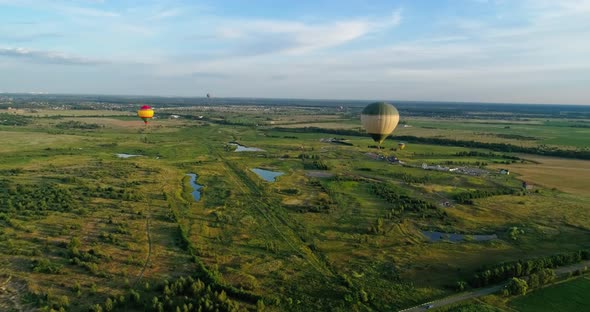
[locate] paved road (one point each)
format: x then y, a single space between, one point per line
486 291
571 268
456 298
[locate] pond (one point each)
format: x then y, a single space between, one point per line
434 236
127 155
242 148
318 174
196 187
267 175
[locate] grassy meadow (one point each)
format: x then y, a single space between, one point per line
84 229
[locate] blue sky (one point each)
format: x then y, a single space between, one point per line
531 51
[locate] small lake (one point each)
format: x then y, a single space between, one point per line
242 148
127 155
196 187
267 175
434 236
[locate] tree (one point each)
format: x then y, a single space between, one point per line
64 301
364 296
517 286
518 269
547 276
108 305
96 308
534 281
461 285
135 296
260 305
155 302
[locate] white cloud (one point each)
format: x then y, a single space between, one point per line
552 9
168 13
86 12
77 8
297 37
47 57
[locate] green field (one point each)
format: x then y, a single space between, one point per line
522 133
80 226
531 132
568 296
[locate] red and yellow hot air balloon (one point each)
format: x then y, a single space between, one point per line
145 113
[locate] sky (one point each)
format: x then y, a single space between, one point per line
515 51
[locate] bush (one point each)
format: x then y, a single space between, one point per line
43 265
73 124
517 286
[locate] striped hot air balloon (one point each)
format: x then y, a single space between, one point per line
379 119
145 113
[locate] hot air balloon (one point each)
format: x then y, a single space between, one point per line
401 145
379 119
145 113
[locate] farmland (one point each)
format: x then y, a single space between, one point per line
340 229
569 296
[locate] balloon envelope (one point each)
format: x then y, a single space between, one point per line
379 119
145 113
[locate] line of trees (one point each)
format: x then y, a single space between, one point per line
525 267
408 178
74 124
464 163
313 162
111 193
400 202
402 176
515 136
315 165
185 294
14 120
488 154
468 197
309 156
499 147
520 286
351 132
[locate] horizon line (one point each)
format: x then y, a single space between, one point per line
286 98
